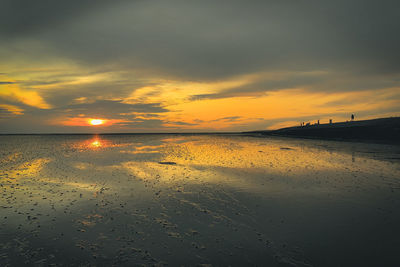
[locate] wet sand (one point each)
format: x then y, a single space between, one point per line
197 199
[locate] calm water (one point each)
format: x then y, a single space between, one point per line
190 200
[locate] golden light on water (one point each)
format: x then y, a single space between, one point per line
96 143
214 180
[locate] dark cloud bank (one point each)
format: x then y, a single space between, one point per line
213 39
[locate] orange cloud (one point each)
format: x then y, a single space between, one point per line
12 109
82 121
284 104
28 97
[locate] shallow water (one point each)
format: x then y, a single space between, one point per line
197 199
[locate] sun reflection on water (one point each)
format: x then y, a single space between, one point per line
96 143
180 186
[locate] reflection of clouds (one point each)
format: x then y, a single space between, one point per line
246 164
217 182
82 165
28 168
174 139
140 151
216 159
205 156
12 157
248 154
154 172
93 179
144 149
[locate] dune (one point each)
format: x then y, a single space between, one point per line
383 130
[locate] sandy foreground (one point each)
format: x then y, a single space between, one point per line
128 200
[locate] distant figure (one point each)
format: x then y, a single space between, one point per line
352 117
330 121
318 122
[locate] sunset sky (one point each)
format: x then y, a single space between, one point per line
189 66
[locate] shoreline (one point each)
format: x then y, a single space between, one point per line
380 131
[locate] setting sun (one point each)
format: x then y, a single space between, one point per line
96 122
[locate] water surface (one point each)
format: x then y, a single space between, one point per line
197 199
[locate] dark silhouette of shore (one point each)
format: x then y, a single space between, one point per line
383 130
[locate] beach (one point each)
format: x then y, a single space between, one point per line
197 200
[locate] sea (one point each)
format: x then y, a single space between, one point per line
197 200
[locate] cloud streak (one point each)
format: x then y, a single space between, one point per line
13 93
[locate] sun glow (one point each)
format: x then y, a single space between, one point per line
96 143
96 122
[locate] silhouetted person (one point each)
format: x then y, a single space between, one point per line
330 121
352 117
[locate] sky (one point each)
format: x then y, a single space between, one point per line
195 66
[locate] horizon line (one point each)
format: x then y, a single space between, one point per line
130 133
188 133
